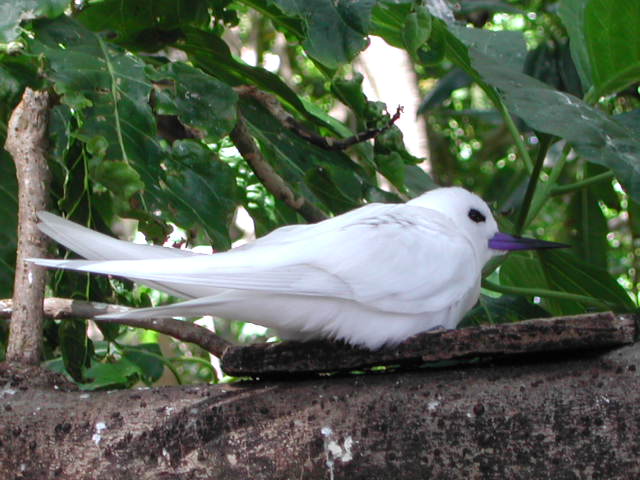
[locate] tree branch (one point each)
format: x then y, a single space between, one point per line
273 182
27 143
276 109
64 308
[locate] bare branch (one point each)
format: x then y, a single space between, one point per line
27 143
276 109
64 308
273 182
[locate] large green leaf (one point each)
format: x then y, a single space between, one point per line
506 47
334 32
210 53
572 13
568 273
523 270
120 374
201 190
14 12
112 91
198 99
612 33
589 228
595 135
144 25
148 358
605 42
388 20
504 309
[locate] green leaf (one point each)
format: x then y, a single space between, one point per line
147 26
526 271
417 181
605 43
16 73
73 344
417 29
148 358
200 190
392 167
111 91
568 273
507 48
572 13
200 100
612 33
388 19
301 164
551 63
9 216
334 32
120 374
590 228
595 135
12 13
504 309
210 53
335 186
119 177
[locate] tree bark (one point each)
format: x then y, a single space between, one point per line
547 415
27 143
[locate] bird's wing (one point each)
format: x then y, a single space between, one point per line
401 258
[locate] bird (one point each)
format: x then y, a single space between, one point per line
371 277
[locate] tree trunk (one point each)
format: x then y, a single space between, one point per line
546 415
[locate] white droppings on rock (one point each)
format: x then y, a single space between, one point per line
347 456
84 396
96 437
7 391
232 459
334 449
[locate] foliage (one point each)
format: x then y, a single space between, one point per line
532 104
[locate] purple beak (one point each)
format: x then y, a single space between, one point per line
503 241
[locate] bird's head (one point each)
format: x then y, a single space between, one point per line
471 215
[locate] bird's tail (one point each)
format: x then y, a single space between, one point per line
96 246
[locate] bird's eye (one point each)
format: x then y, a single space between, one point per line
476 216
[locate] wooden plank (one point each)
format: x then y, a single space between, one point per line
588 331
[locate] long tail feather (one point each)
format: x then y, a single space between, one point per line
97 246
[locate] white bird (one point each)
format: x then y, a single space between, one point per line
371 277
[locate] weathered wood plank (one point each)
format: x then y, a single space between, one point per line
589 331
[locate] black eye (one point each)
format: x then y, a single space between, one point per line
476 216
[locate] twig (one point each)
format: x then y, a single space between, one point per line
273 182
27 143
276 109
64 308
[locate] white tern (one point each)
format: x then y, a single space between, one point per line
370 277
